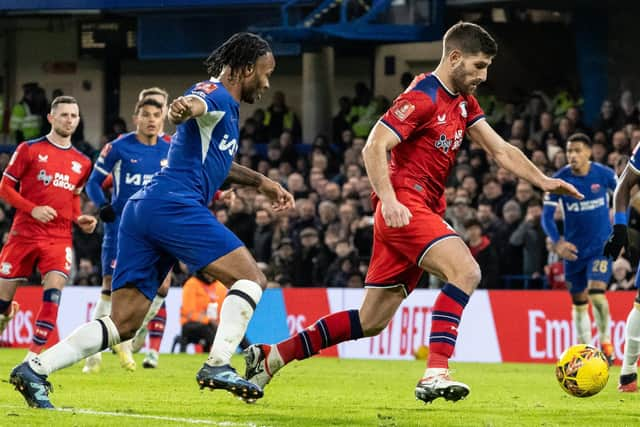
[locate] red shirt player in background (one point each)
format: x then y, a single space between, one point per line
51 174
423 130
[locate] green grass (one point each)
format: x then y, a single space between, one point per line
317 392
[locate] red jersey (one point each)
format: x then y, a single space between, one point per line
48 175
430 122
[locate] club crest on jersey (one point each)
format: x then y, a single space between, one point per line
206 87
403 110
76 166
5 268
43 158
105 150
463 109
42 176
595 187
230 146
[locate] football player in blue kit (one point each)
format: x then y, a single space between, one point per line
168 220
630 177
131 159
586 227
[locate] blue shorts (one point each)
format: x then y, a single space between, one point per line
154 234
109 247
578 273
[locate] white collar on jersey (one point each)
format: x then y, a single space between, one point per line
214 80
444 86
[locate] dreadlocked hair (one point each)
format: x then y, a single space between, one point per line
240 51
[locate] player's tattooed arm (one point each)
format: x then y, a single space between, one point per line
244 176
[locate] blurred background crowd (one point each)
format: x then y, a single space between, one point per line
327 239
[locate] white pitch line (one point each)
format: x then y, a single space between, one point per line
148 417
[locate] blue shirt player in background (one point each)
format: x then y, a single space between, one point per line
586 227
131 159
168 220
618 239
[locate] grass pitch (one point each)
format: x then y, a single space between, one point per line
316 392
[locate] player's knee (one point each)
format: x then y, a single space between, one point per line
579 298
258 277
469 277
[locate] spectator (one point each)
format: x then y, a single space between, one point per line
87 273
241 222
490 223
483 252
531 237
282 262
545 128
462 212
311 260
341 122
26 121
620 143
200 311
510 255
263 235
288 152
278 117
345 263
524 193
607 120
627 112
296 186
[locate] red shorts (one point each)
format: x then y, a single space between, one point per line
19 256
397 252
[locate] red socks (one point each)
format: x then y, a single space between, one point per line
46 319
156 328
330 330
445 318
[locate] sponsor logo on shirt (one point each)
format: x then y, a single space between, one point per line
137 179
403 110
58 179
230 146
42 176
445 144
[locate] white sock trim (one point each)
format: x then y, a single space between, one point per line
248 288
113 336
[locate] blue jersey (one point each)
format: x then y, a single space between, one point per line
202 150
586 222
132 165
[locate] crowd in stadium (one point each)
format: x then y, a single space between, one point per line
326 240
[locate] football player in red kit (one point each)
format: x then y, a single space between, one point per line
423 130
51 174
